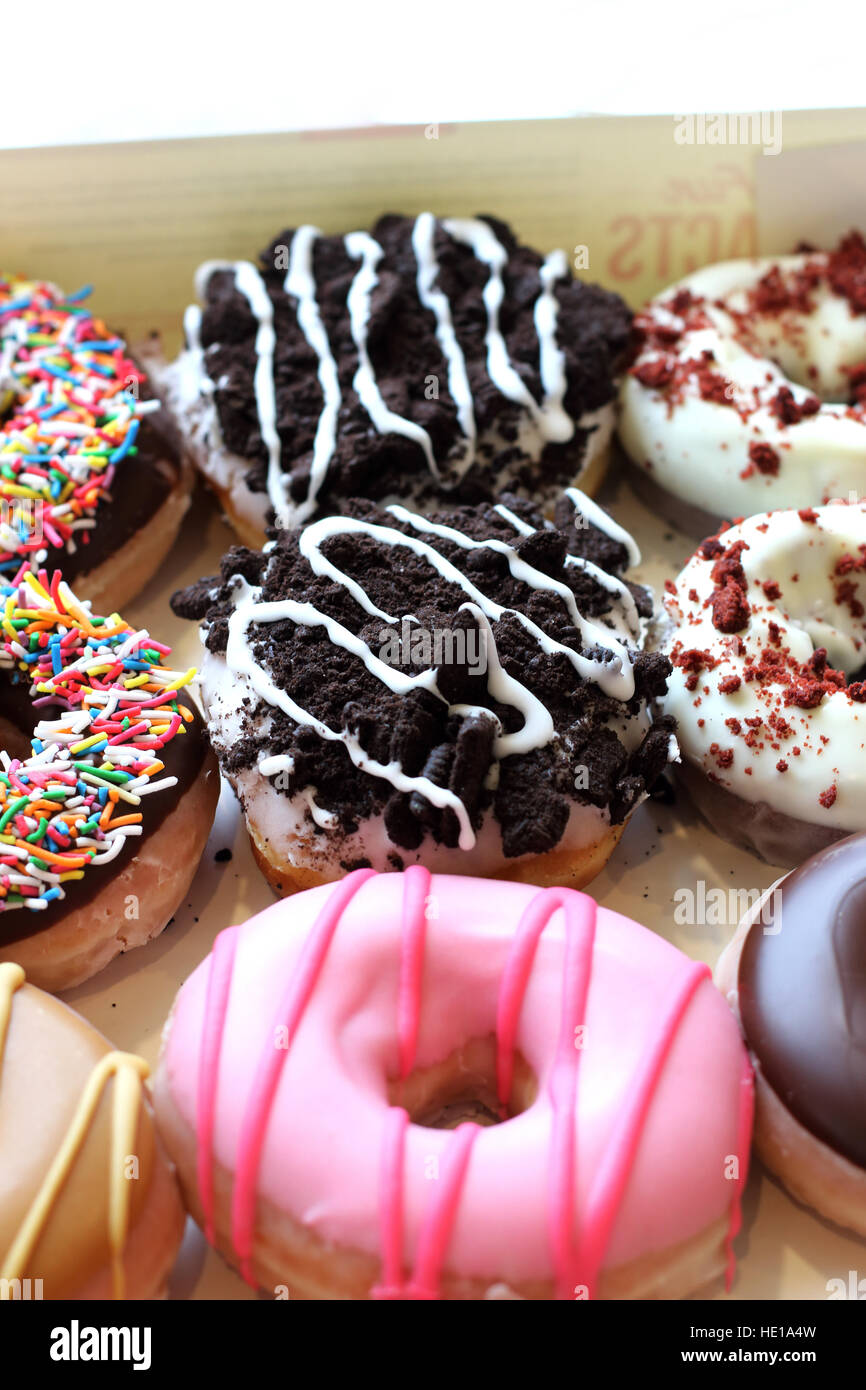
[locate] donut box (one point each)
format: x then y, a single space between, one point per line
669 872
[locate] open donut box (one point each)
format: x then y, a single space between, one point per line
638 205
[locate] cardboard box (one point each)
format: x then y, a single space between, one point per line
639 202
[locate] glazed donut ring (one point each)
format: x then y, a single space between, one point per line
795 974
89 1207
765 629
91 468
747 390
89 864
315 1066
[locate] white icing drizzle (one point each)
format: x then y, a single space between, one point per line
551 358
242 663
192 333
301 284
514 520
361 246
610 582
433 299
600 519
251 285
616 677
555 425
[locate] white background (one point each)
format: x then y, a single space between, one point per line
93 72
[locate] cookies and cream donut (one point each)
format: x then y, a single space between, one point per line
89 1206
796 975
421 1087
748 391
429 358
92 476
108 786
465 690
765 629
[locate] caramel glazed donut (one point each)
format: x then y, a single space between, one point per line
315 1066
765 628
464 690
748 391
89 1207
430 360
92 473
796 973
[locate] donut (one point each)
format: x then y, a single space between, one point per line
105 813
765 630
318 1069
748 389
92 475
89 1206
428 359
464 690
796 974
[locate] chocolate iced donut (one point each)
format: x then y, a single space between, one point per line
466 691
108 785
796 974
427 360
94 476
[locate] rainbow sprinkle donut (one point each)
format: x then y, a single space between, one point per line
90 467
115 729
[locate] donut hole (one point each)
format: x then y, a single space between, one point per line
463 1087
818 351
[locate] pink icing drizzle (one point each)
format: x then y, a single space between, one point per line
264 1084
439 1218
616 1165
580 917
440 1215
216 1006
391 1203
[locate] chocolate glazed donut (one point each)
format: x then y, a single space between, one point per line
186 758
797 973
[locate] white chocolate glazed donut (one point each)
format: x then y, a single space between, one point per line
746 393
767 636
314 1066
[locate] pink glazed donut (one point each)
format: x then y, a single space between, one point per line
416 1086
